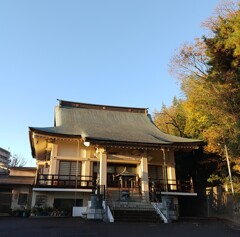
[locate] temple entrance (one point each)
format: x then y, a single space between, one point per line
126 179
120 176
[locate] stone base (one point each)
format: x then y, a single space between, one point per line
95 214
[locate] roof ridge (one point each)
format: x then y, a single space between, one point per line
64 103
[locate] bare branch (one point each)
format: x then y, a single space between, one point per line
190 59
226 9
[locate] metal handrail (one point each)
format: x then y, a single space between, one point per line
156 204
159 211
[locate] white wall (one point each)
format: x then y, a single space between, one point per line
15 194
64 195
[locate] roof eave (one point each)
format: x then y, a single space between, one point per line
33 152
193 145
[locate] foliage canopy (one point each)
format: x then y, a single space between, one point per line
209 72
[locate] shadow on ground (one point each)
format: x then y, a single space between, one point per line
77 227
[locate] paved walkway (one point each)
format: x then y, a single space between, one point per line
76 227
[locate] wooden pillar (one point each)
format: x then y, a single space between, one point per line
165 177
86 172
144 178
103 167
171 173
53 169
86 169
86 164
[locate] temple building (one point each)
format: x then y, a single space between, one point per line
115 152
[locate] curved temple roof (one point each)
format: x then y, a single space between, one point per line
109 124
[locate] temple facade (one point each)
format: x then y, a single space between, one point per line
115 152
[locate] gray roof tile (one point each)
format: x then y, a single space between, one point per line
108 124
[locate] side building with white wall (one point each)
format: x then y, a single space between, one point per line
16 190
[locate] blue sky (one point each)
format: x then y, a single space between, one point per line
96 51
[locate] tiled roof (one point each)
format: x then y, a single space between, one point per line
109 124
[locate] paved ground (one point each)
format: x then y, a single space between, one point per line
75 227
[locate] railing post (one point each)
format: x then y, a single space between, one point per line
37 179
178 185
191 185
52 180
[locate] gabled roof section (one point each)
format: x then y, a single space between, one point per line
109 124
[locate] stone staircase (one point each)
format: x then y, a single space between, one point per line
134 212
129 205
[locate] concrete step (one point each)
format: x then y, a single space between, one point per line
134 212
136 216
121 205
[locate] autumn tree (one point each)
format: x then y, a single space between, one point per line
171 120
209 72
223 51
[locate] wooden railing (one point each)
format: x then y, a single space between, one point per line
81 181
65 181
170 185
